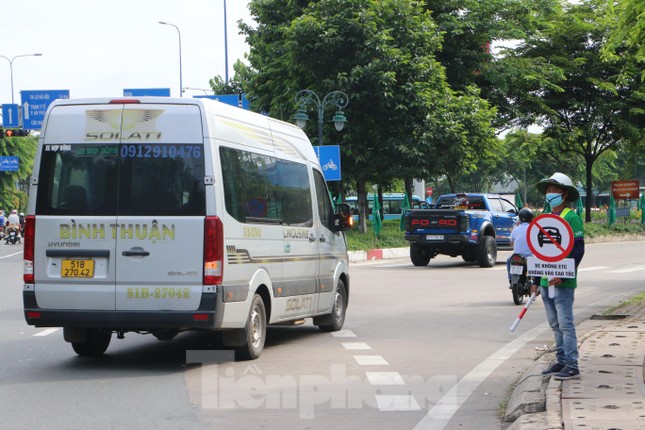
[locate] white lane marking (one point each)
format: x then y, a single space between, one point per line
370 360
632 269
438 417
396 403
343 333
10 255
47 331
592 268
355 345
385 378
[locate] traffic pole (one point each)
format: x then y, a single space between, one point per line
526 307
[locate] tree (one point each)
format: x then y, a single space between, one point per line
381 53
471 29
627 34
461 136
583 102
25 149
237 85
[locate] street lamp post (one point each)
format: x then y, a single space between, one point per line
181 86
225 47
11 67
307 97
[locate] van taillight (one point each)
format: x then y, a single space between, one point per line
213 250
124 101
28 254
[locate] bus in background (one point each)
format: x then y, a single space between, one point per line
392 205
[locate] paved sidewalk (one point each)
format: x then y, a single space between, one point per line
611 391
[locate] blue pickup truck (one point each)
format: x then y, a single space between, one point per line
473 226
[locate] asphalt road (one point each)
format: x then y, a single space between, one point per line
422 348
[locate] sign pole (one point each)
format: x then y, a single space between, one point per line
521 315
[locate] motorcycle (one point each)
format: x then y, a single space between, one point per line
12 236
520 283
1 232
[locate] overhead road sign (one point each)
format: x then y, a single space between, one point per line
329 156
35 104
237 100
625 190
10 116
146 92
229 99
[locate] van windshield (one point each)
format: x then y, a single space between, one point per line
121 179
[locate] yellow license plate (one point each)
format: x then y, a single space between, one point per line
77 269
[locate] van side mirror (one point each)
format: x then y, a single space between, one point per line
343 217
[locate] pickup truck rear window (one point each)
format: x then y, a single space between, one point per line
466 203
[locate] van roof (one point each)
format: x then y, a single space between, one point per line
288 140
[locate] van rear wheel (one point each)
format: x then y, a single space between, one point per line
96 343
335 320
255 330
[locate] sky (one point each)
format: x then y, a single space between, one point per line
97 49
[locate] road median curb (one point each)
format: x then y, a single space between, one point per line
378 254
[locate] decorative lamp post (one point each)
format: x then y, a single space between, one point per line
181 86
334 98
225 47
11 67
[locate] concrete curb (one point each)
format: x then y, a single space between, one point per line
529 394
378 254
615 238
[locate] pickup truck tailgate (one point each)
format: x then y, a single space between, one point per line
436 220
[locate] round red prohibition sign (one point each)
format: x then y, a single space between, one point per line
549 237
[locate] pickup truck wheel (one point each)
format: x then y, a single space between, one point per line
469 255
487 254
418 255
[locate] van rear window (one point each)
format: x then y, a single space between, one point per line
121 179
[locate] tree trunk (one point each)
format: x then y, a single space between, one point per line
589 187
408 189
362 206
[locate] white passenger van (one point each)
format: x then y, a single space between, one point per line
161 215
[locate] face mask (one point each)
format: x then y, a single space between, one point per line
554 199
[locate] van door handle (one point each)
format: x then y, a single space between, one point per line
312 238
135 253
322 238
